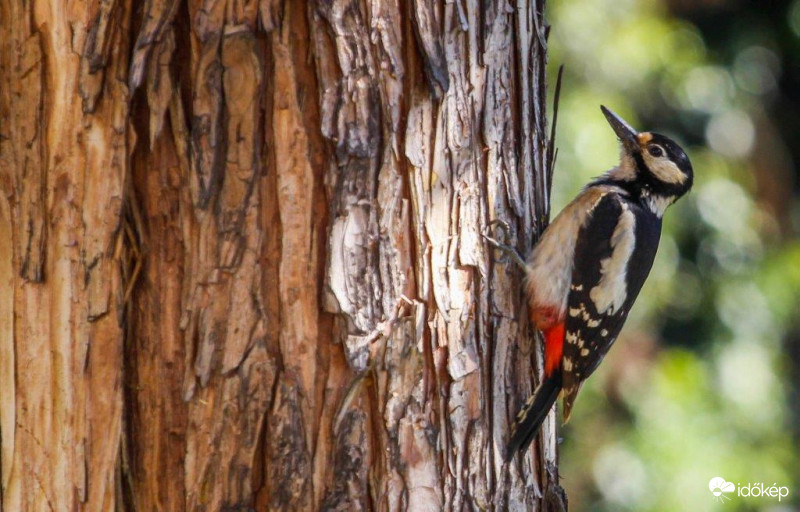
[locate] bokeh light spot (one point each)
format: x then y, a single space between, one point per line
731 133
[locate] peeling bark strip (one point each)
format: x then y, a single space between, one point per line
23 63
245 267
426 29
156 25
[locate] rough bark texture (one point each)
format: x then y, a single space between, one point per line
242 254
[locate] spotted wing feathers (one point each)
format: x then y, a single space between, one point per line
611 252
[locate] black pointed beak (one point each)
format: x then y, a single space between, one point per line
625 132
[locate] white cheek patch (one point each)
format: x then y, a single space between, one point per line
610 293
664 169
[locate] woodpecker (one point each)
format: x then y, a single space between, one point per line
588 267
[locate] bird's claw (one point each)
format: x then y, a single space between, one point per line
510 251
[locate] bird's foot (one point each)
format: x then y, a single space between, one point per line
507 249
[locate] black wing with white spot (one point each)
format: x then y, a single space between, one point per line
613 256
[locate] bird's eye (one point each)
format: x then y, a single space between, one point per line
656 151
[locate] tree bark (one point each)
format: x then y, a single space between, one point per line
243 254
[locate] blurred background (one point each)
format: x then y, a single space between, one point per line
705 380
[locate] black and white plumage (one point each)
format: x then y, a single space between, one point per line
591 262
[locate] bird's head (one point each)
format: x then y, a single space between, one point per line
652 166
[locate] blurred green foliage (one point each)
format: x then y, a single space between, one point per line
703 381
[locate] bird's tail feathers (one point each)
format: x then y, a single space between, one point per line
532 415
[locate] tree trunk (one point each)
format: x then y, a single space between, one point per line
243 254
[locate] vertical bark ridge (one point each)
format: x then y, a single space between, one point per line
156 415
23 140
68 150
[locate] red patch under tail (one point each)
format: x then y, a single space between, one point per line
553 348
